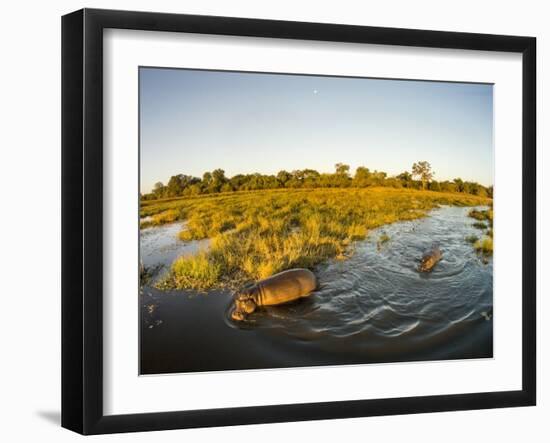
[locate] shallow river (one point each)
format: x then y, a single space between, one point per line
373 307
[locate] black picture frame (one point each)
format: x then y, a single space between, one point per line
82 218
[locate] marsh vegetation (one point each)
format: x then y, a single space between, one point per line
483 245
256 234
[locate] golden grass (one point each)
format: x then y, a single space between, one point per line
484 246
257 234
482 215
195 271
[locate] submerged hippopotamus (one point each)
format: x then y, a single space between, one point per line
280 288
430 259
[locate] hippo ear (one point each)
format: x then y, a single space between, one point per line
246 290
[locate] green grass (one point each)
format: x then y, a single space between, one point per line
257 234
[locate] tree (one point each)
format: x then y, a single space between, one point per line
341 178
423 170
406 179
435 186
226 187
217 180
174 186
459 184
283 177
393 182
194 189
158 190
342 169
310 178
362 177
296 179
206 179
448 186
378 178
218 175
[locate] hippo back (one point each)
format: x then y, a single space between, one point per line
285 287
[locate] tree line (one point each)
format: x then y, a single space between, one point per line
421 176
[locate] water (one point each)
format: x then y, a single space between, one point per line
160 246
373 307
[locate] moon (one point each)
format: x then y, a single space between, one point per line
315 91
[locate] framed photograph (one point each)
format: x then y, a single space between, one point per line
269 221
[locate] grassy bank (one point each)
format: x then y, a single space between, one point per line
256 234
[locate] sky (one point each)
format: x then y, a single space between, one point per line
192 121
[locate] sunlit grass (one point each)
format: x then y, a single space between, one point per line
193 271
484 246
257 234
481 215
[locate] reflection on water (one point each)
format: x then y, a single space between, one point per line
372 307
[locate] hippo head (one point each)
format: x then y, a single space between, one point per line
244 303
430 259
426 264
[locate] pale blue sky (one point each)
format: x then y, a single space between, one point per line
193 121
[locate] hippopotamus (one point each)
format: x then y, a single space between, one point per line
280 288
430 259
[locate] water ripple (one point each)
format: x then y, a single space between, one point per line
379 292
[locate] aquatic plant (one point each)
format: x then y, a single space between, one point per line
482 215
144 275
384 238
479 225
471 239
484 246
